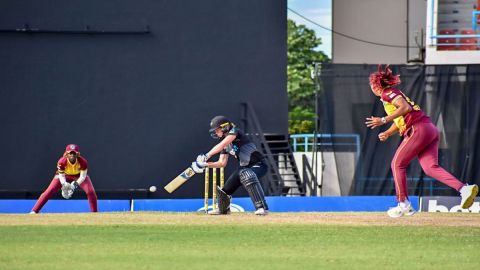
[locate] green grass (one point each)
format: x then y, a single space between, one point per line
237 247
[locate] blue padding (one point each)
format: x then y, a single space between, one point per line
276 204
168 205
281 204
335 204
186 205
63 206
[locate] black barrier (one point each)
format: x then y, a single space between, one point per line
448 94
139 105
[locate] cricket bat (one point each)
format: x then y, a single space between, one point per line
179 180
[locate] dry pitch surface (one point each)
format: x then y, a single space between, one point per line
159 218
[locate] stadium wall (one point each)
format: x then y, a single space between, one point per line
389 22
138 104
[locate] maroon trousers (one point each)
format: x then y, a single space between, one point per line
55 186
421 141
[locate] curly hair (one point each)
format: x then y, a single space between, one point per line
383 79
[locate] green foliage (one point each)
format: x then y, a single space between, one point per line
301 87
301 121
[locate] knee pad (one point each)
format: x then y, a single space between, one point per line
247 177
249 180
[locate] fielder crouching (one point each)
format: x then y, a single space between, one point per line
71 174
252 165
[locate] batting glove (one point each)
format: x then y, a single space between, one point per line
197 168
202 160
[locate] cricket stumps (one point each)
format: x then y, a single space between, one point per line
214 187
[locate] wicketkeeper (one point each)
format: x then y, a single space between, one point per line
71 174
252 165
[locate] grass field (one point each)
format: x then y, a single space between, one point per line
239 241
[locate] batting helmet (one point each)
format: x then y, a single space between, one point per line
222 122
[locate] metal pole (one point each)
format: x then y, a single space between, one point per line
408 26
317 127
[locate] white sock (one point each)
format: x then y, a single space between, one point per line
404 204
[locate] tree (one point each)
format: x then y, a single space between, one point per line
301 87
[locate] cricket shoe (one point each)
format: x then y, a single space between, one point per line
33 212
261 212
468 193
400 210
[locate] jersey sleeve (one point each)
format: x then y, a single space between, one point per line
62 164
390 95
233 131
83 163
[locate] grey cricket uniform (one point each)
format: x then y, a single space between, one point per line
252 166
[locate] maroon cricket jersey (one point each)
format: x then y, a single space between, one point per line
404 122
64 166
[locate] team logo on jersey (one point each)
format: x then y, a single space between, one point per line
234 150
231 149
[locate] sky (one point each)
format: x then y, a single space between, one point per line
319 11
